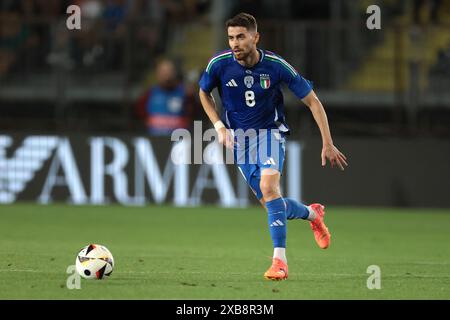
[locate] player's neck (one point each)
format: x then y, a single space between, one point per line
251 60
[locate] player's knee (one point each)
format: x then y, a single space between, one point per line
268 190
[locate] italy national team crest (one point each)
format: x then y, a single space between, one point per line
264 80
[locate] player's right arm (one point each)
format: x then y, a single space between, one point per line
209 80
209 105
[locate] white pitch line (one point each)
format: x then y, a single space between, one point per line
22 270
315 275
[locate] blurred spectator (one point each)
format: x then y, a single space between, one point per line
53 8
257 8
313 10
115 13
101 41
115 16
168 105
85 45
196 8
91 10
150 28
16 40
433 5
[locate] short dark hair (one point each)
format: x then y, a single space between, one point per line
243 20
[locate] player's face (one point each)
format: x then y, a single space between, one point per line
242 41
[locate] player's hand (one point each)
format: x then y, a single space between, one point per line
226 138
335 157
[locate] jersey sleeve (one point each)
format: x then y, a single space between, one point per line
210 78
300 86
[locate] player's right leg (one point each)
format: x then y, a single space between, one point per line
276 210
277 271
261 169
277 222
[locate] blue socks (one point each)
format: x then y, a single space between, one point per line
295 209
277 222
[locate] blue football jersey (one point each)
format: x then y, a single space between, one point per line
252 97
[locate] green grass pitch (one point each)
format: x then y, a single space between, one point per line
164 252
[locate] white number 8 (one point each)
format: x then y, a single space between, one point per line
250 98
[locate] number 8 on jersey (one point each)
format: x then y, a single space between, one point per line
250 98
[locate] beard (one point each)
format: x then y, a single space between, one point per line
241 55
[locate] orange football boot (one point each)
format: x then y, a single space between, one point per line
278 270
321 233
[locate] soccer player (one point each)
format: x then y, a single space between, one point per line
248 80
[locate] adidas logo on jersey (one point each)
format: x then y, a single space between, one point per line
231 83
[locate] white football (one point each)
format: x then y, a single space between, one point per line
94 262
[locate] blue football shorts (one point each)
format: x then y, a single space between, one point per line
255 152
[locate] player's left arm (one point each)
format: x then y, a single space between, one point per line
329 151
303 89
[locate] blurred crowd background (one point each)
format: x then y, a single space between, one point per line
134 65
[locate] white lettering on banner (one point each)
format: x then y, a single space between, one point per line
221 180
115 169
16 172
181 179
29 158
147 166
65 160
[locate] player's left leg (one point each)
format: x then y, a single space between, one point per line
314 213
296 210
